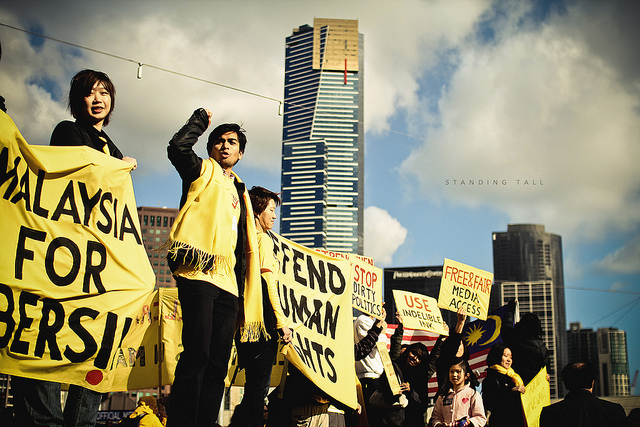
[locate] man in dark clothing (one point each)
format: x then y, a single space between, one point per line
580 407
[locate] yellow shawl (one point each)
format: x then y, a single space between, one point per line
200 239
508 372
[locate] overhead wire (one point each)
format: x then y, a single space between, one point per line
140 64
631 305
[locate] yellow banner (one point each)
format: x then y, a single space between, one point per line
463 284
149 353
74 274
367 283
419 312
315 295
536 397
236 377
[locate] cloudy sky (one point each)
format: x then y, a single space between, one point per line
477 114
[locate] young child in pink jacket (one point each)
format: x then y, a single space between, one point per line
462 406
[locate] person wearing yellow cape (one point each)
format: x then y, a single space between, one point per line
213 254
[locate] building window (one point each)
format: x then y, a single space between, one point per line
145 220
153 220
165 221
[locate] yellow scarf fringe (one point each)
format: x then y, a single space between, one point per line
208 242
195 258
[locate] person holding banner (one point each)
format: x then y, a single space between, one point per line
501 389
257 358
213 254
92 97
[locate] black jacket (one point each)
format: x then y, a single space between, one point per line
581 408
68 133
499 398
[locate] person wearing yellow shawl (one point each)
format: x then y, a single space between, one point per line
257 358
501 389
213 254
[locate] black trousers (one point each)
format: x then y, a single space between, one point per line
208 324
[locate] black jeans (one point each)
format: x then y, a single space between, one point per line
208 323
257 360
37 403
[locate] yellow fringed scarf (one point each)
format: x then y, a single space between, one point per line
508 372
200 240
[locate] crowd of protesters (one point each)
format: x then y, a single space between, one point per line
230 290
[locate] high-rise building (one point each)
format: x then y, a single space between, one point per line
156 224
527 267
323 137
606 349
614 362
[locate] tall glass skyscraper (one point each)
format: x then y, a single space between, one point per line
323 137
527 267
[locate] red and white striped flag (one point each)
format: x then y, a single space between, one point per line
412 336
478 336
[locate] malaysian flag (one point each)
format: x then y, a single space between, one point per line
478 336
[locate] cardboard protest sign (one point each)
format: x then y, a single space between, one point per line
463 284
74 273
536 397
392 378
315 295
367 283
367 288
419 312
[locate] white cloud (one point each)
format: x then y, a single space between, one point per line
625 260
383 235
538 105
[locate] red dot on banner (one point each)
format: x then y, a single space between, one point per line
94 377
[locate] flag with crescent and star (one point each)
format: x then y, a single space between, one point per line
480 336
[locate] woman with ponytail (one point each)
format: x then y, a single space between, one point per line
501 389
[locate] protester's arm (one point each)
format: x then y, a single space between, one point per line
432 358
363 347
180 150
396 339
476 410
462 317
506 330
437 414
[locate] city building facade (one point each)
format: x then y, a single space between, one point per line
155 225
323 137
527 267
605 348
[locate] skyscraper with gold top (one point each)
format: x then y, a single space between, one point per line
323 136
